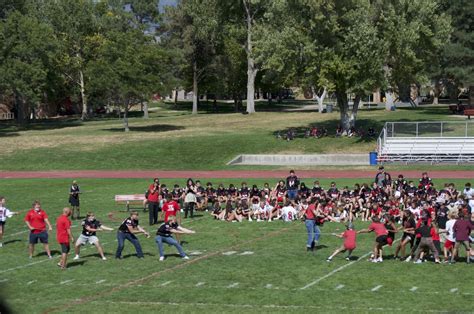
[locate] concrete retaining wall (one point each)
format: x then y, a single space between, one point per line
296 160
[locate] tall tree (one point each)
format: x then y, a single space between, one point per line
27 50
76 25
192 26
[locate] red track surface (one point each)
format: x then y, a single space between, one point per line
223 174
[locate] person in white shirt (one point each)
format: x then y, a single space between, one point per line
288 213
450 240
4 214
468 193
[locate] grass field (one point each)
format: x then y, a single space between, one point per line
269 271
173 139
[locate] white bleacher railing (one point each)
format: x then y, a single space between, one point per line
442 141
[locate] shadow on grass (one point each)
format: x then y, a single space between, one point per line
12 241
331 126
11 128
149 128
75 263
135 255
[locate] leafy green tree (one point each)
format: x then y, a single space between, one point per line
27 50
457 57
129 67
77 28
415 32
193 28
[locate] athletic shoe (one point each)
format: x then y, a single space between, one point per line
258 220
379 260
162 258
250 219
374 261
104 258
76 257
418 261
185 257
59 265
408 259
50 257
348 258
437 261
1 244
329 260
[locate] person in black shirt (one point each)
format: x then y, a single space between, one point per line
90 226
127 231
292 184
164 235
74 192
426 242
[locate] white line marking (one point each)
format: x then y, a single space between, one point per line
166 283
376 288
195 253
453 290
339 287
4 280
337 269
100 281
66 281
235 284
24 266
30 282
269 286
229 253
200 284
246 253
413 289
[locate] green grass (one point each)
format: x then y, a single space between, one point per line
173 139
279 260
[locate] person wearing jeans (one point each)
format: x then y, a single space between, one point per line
164 235
292 184
310 214
127 231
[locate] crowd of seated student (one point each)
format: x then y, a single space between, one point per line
405 203
318 132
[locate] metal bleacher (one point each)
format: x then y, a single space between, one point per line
428 142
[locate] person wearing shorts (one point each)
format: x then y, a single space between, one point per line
462 229
4 214
64 236
36 220
349 244
90 226
381 234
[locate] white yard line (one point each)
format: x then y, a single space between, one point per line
235 284
229 253
166 283
376 288
30 282
200 284
269 286
453 290
337 270
100 281
26 265
339 287
66 281
413 289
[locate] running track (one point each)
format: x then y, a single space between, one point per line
330 174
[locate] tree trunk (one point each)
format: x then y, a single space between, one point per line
355 109
436 92
84 115
319 99
176 98
389 99
145 110
195 88
343 105
251 68
125 119
20 105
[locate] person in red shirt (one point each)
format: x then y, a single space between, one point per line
64 235
349 245
36 219
171 208
381 237
153 198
